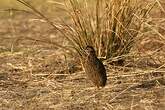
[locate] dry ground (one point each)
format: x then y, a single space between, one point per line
37 76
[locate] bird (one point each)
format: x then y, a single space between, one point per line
93 67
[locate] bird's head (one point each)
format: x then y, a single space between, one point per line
89 50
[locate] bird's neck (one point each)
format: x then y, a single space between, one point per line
92 56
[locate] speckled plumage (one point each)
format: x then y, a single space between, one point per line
94 68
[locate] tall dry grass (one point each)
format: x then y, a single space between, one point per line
110 26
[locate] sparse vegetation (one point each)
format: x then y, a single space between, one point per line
37 37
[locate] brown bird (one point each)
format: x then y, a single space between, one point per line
93 67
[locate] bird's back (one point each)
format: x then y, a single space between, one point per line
95 71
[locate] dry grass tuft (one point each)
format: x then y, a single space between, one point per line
111 26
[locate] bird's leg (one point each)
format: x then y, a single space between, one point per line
98 88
